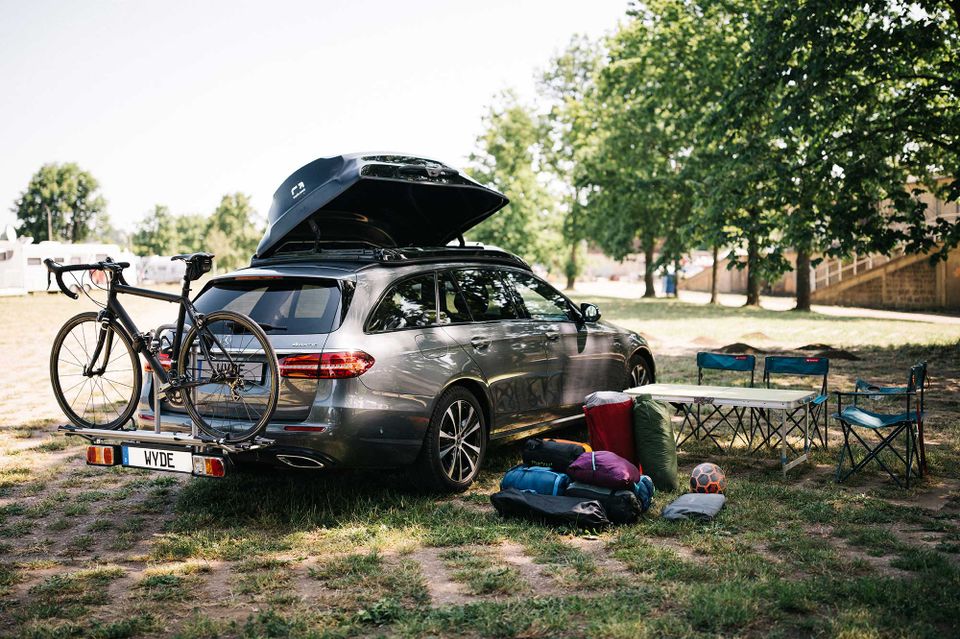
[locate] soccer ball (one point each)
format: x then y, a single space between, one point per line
707 478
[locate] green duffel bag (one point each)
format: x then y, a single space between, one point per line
654 442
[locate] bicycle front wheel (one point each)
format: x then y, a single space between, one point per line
101 392
230 377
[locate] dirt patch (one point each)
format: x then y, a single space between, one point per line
443 590
541 584
596 549
936 494
740 347
814 347
881 565
701 340
838 353
757 335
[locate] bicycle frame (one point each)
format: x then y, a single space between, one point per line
115 310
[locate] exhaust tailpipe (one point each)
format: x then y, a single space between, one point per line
299 461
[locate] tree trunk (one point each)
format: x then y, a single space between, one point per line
572 267
676 278
803 280
713 275
649 291
753 275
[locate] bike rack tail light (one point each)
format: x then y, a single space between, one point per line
98 455
208 466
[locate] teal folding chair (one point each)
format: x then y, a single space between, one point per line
780 366
732 416
883 429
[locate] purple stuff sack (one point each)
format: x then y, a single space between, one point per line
606 469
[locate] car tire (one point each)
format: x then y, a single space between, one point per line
455 444
639 372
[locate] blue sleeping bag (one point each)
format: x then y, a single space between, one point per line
538 479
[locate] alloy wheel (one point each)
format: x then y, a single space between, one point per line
460 441
639 375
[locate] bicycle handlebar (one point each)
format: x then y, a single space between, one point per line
59 269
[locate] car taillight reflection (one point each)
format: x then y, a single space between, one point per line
336 365
164 361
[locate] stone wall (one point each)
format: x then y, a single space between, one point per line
910 282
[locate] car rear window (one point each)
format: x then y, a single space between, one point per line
295 307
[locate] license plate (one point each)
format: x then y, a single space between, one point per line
249 371
177 461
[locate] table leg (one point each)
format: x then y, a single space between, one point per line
783 440
806 428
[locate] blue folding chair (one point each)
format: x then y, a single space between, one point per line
885 427
778 365
878 392
733 416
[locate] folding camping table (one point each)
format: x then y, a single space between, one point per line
770 399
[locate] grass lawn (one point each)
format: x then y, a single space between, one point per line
86 552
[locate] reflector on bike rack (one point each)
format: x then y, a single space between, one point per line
102 455
208 466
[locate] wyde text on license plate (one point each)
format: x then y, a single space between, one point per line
178 461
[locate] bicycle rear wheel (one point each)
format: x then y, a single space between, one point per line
230 375
95 394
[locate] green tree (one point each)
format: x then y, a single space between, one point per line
61 202
842 103
507 159
568 83
191 230
156 233
233 231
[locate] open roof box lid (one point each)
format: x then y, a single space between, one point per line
366 200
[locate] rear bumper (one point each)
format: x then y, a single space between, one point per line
345 438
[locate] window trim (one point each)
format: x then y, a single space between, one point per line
570 305
389 287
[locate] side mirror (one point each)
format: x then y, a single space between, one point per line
590 312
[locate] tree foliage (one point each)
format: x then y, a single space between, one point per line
61 202
156 233
508 159
231 232
568 85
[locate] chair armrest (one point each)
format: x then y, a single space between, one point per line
874 393
819 399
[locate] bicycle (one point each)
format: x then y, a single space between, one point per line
223 373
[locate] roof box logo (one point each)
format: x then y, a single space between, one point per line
298 190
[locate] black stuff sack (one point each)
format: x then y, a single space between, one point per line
556 454
569 511
621 506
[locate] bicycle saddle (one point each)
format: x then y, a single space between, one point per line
197 264
190 258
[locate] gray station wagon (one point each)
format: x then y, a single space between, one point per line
400 345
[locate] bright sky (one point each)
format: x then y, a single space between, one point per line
181 102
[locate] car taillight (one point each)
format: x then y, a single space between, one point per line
102 455
336 365
164 361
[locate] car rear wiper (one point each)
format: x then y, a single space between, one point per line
270 327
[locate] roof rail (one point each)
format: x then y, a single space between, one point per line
393 256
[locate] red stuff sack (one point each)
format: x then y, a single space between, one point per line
610 422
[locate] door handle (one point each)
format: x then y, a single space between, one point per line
552 335
479 343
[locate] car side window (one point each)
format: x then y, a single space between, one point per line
411 303
542 301
453 303
486 296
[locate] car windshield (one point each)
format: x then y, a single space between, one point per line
282 306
